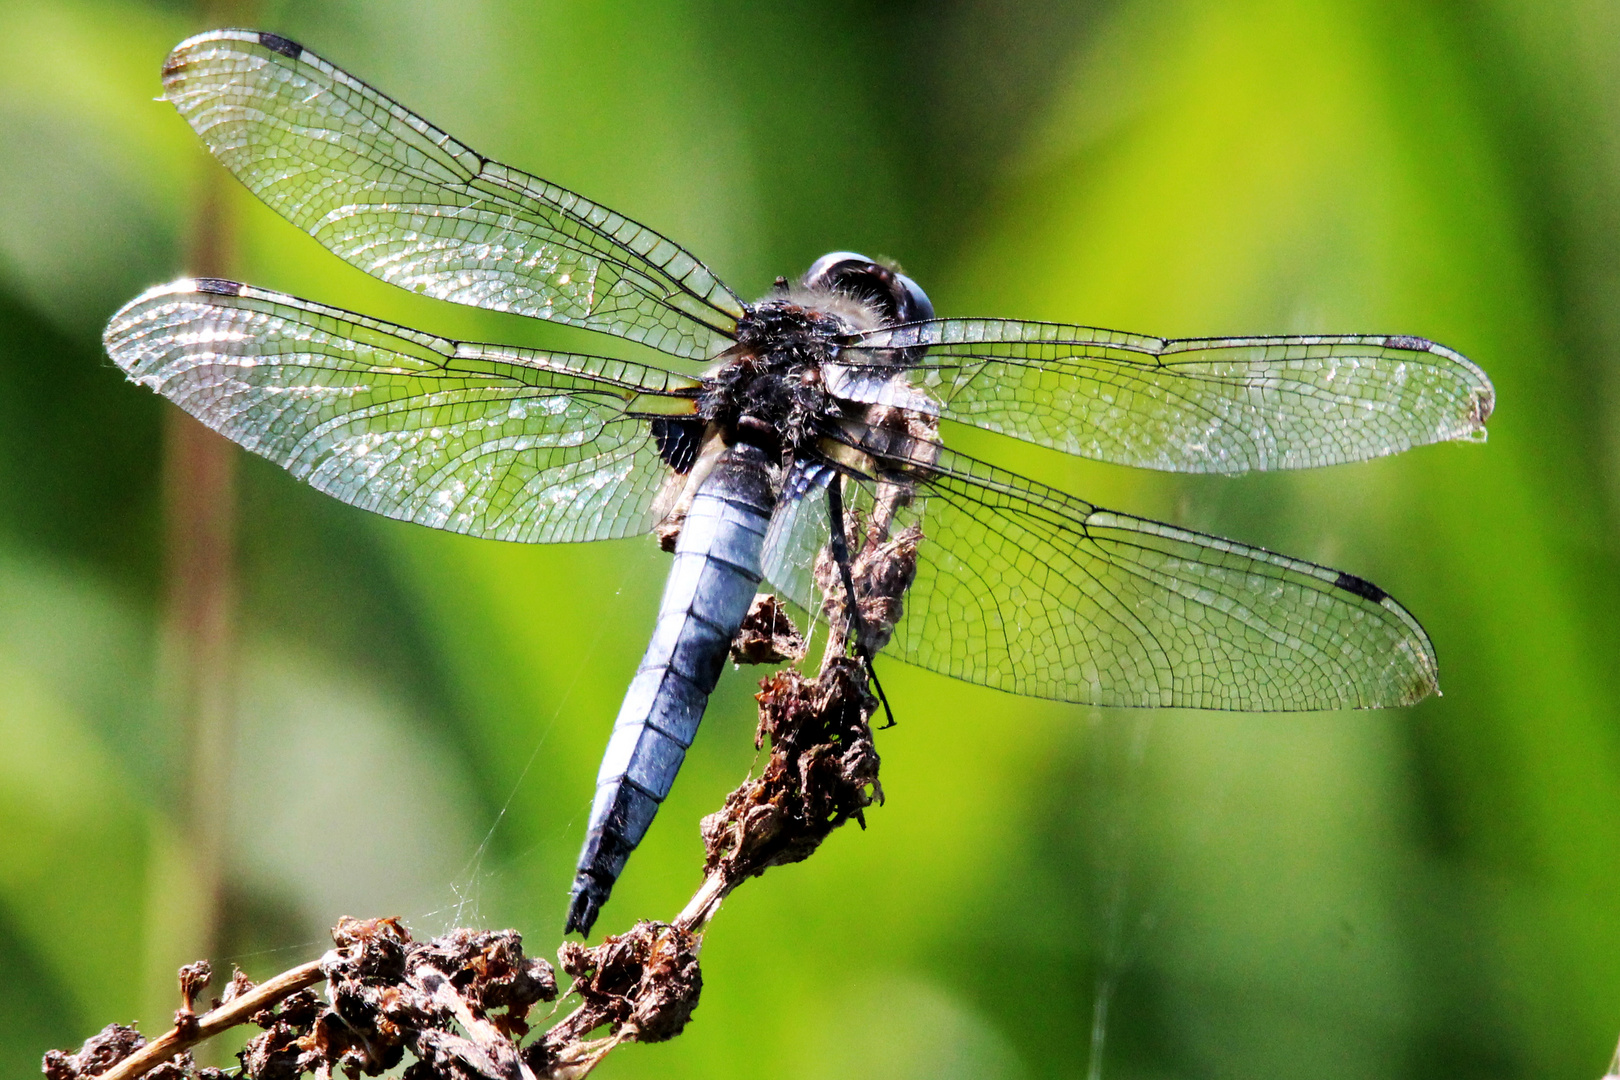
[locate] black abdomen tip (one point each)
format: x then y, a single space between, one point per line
584 905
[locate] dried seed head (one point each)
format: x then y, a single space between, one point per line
822 772
767 634
643 984
100 1052
193 977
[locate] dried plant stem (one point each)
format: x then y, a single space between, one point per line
184 1036
460 1002
704 903
500 1056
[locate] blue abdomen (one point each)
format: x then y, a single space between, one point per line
715 575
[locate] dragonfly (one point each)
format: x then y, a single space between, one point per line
832 399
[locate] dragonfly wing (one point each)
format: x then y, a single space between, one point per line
1026 589
799 530
505 443
390 193
1214 405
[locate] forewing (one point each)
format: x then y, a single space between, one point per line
1032 591
505 443
1215 405
387 191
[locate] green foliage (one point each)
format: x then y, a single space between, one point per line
1424 892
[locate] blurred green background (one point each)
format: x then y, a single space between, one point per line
415 718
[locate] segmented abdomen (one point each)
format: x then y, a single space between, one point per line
713 580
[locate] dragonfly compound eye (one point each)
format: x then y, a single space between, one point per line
914 303
825 271
900 299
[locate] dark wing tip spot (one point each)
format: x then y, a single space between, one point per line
217 286
276 43
1361 587
1409 343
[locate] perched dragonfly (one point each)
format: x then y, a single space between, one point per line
828 393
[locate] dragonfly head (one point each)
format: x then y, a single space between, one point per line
899 299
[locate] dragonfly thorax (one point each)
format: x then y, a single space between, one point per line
769 390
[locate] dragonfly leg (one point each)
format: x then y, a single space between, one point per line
840 553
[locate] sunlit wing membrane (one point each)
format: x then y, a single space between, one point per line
1023 588
504 443
390 193
798 532
1215 405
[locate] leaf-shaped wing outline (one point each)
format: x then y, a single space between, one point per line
1026 589
1204 405
393 195
490 441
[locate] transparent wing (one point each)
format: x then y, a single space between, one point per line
387 191
799 530
1218 405
505 443
1026 589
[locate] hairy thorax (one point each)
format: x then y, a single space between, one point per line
768 390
